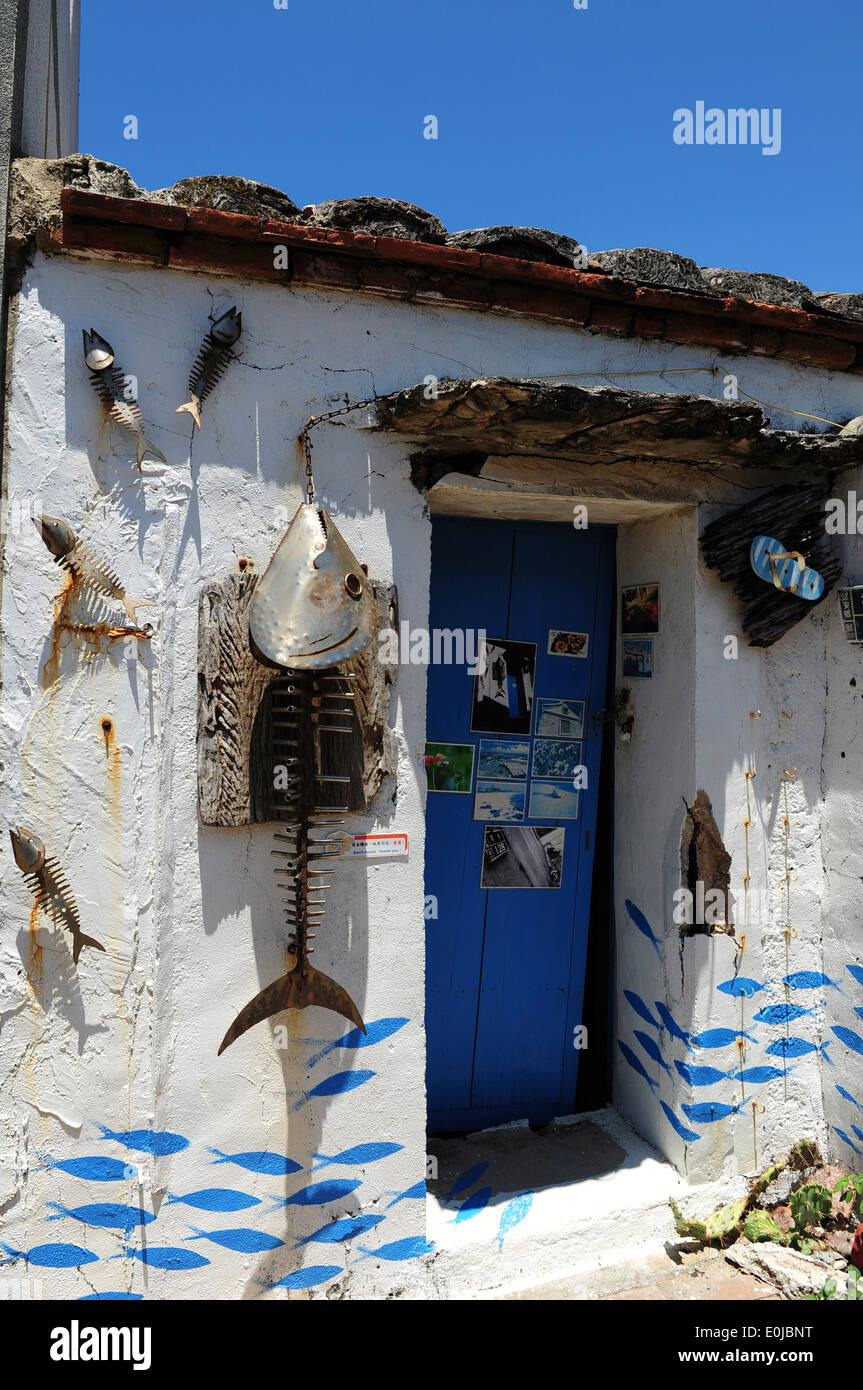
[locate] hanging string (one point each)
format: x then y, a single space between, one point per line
788 931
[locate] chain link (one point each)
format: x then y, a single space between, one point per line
305 437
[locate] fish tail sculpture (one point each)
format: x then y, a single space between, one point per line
50 887
87 568
112 388
312 610
213 358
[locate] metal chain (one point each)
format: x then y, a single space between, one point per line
305 437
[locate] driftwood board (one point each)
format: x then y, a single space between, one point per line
235 760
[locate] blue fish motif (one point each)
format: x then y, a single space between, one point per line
244 1240
756 1076
359 1154
633 1061
641 922
856 971
782 1013
809 979
216 1199
345 1229
473 1205
708 1111
118 1297
375 1033
858 1009
740 987
846 1095
165 1257
467 1179
848 1037
652 1050
844 1137
514 1212
260 1161
93 1169
148 1141
797 1047
103 1214
307 1278
858 1131
701 1076
318 1194
336 1085
688 1135
720 1037
418 1192
59 1256
638 1004
671 1027
410 1248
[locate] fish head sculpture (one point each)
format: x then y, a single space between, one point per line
313 608
226 329
59 538
98 353
28 850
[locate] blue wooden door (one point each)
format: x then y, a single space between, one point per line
509 834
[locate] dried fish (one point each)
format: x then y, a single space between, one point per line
85 566
214 356
49 884
112 388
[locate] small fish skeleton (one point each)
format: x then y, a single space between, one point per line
312 610
85 567
213 358
49 884
112 388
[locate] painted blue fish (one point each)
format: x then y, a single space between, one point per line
260 1161
148 1141
60 1256
671 1027
701 1076
688 1135
858 1131
858 1009
409 1248
307 1278
633 1061
417 1191
720 1037
652 1050
165 1257
473 1205
514 1212
346 1229
740 987
797 1047
215 1199
641 922
856 971
782 1013
756 1076
119 1296
359 1154
336 1085
92 1169
846 1095
708 1111
638 1004
810 979
103 1214
849 1037
375 1033
467 1179
318 1194
843 1136
244 1240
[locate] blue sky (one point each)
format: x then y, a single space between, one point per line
547 115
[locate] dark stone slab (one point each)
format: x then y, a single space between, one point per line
653 268
522 244
761 287
371 216
225 193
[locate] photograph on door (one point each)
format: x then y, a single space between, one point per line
553 801
556 759
503 758
449 767
638 657
499 801
567 643
503 687
522 856
559 718
639 610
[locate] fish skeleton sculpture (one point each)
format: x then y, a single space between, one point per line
213 357
48 882
111 386
312 610
84 566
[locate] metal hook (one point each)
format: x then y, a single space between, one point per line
762 1109
755 714
792 776
785 714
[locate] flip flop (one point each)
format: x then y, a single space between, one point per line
786 569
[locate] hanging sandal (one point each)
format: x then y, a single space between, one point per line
786 569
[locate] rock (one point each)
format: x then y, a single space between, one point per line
761 287
379 217
35 186
788 1271
226 193
849 306
523 244
653 268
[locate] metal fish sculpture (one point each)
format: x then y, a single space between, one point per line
312 609
49 885
86 567
112 389
213 357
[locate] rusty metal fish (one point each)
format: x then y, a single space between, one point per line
214 356
112 388
50 887
86 567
